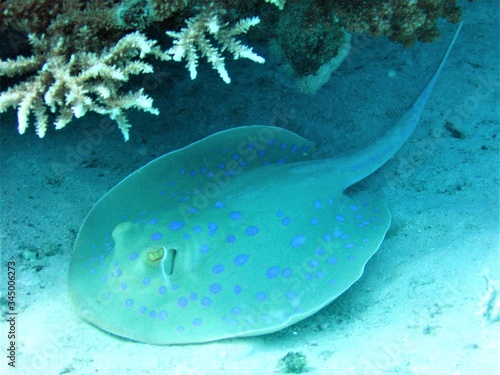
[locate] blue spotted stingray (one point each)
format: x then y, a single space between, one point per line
239 234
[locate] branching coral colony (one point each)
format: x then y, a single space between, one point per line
81 53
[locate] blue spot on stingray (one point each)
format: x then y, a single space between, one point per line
162 315
162 290
153 221
212 228
104 278
182 302
237 289
262 153
317 204
235 157
231 238
192 173
192 210
215 288
298 241
340 218
152 314
351 257
143 309
294 148
337 233
235 215
204 248
210 175
353 207
129 302
304 149
320 251
281 161
193 296
182 171
327 237
123 286
156 236
218 268
252 231
349 245
175 287
186 236
175 225
180 329
203 169
223 151
314 221
146 281
332 260
221 165
219 204
286 221
282 146
171 183
205 301
287 272
272 272
291 294
313 263
197 322
240 259
272 141
235 310
197 229
359 216
261 296
279 213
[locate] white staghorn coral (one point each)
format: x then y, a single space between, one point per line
196 38
85 82
279 3
74 69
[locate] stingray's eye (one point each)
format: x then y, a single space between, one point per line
156 255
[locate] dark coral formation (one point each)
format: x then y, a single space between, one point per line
402 21
310 31
308 36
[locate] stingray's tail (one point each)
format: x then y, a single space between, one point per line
368 160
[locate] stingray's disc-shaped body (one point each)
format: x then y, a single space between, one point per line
239 234
221 239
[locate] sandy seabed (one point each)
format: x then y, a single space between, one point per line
414 311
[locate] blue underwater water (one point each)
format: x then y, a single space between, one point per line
422 305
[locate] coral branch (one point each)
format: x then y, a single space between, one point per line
86 82
195 39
